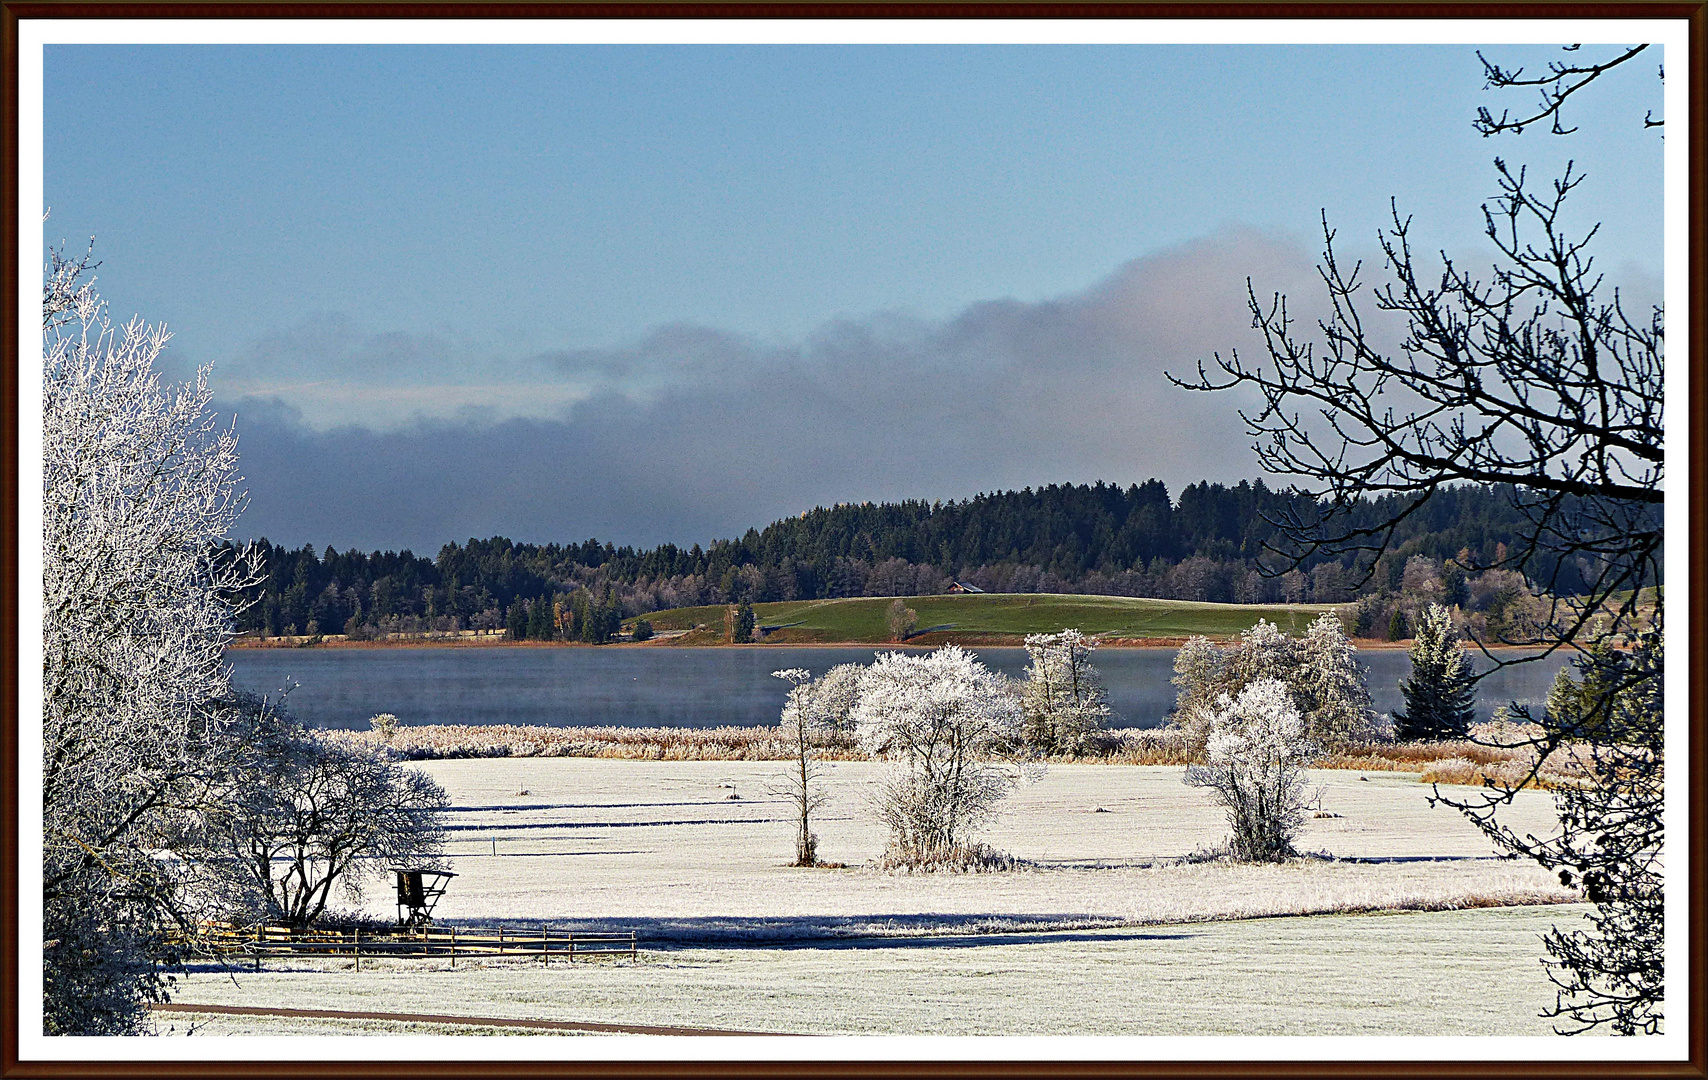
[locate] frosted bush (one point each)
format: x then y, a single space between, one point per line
935 716
1255 766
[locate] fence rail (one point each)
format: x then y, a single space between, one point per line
414 943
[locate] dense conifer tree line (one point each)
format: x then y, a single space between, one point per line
1089 538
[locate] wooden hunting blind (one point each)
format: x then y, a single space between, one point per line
417 892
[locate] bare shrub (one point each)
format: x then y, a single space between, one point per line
384 725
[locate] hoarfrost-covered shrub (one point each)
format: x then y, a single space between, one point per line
1332 690
1256 758
1320 670
935 716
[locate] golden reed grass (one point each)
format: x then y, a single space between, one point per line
1449 762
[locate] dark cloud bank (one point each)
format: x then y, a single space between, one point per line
700 434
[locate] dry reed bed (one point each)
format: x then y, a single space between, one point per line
1450 762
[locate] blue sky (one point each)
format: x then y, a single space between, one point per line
406 259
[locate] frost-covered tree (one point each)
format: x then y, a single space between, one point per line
1062 697
937 716
1532 376
1200 675
801 725
1255 766
1205 673
1262 652
317 815
834 696
1332 689
1327 686
139 487
1441 691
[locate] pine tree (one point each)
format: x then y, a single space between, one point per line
540 619
1397 625
1441 691
744 622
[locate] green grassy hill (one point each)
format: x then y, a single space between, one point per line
989 618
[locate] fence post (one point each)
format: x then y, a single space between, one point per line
572 946
545 946
259 931
631 945
358 942
453 947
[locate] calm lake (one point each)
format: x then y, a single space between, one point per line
690 687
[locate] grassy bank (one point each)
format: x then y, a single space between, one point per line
986 619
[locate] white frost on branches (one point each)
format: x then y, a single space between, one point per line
1063 697
139 487
937 717
802 724
1329 688
1255 766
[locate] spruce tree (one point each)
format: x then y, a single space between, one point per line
1397 625
1441 691
540 619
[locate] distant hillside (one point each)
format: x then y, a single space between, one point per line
1097 539
986 619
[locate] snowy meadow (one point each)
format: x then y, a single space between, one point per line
693 856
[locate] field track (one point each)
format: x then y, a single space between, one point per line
431 1018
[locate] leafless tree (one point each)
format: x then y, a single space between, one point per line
1563 79
802 723
1255 764
307 816
1062 697
1537 380
938 717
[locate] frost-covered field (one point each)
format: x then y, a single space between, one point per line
660 847
1414 973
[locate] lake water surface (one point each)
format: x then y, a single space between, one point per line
691 687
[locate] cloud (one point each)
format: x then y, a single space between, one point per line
692 433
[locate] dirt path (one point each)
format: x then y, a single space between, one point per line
433 1018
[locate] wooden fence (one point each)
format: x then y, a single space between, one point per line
414 943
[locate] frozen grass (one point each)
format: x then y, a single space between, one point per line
1436 973
207 1024
1453 762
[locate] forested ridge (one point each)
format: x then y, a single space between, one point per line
1098 538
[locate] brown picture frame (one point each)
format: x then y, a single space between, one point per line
17 11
